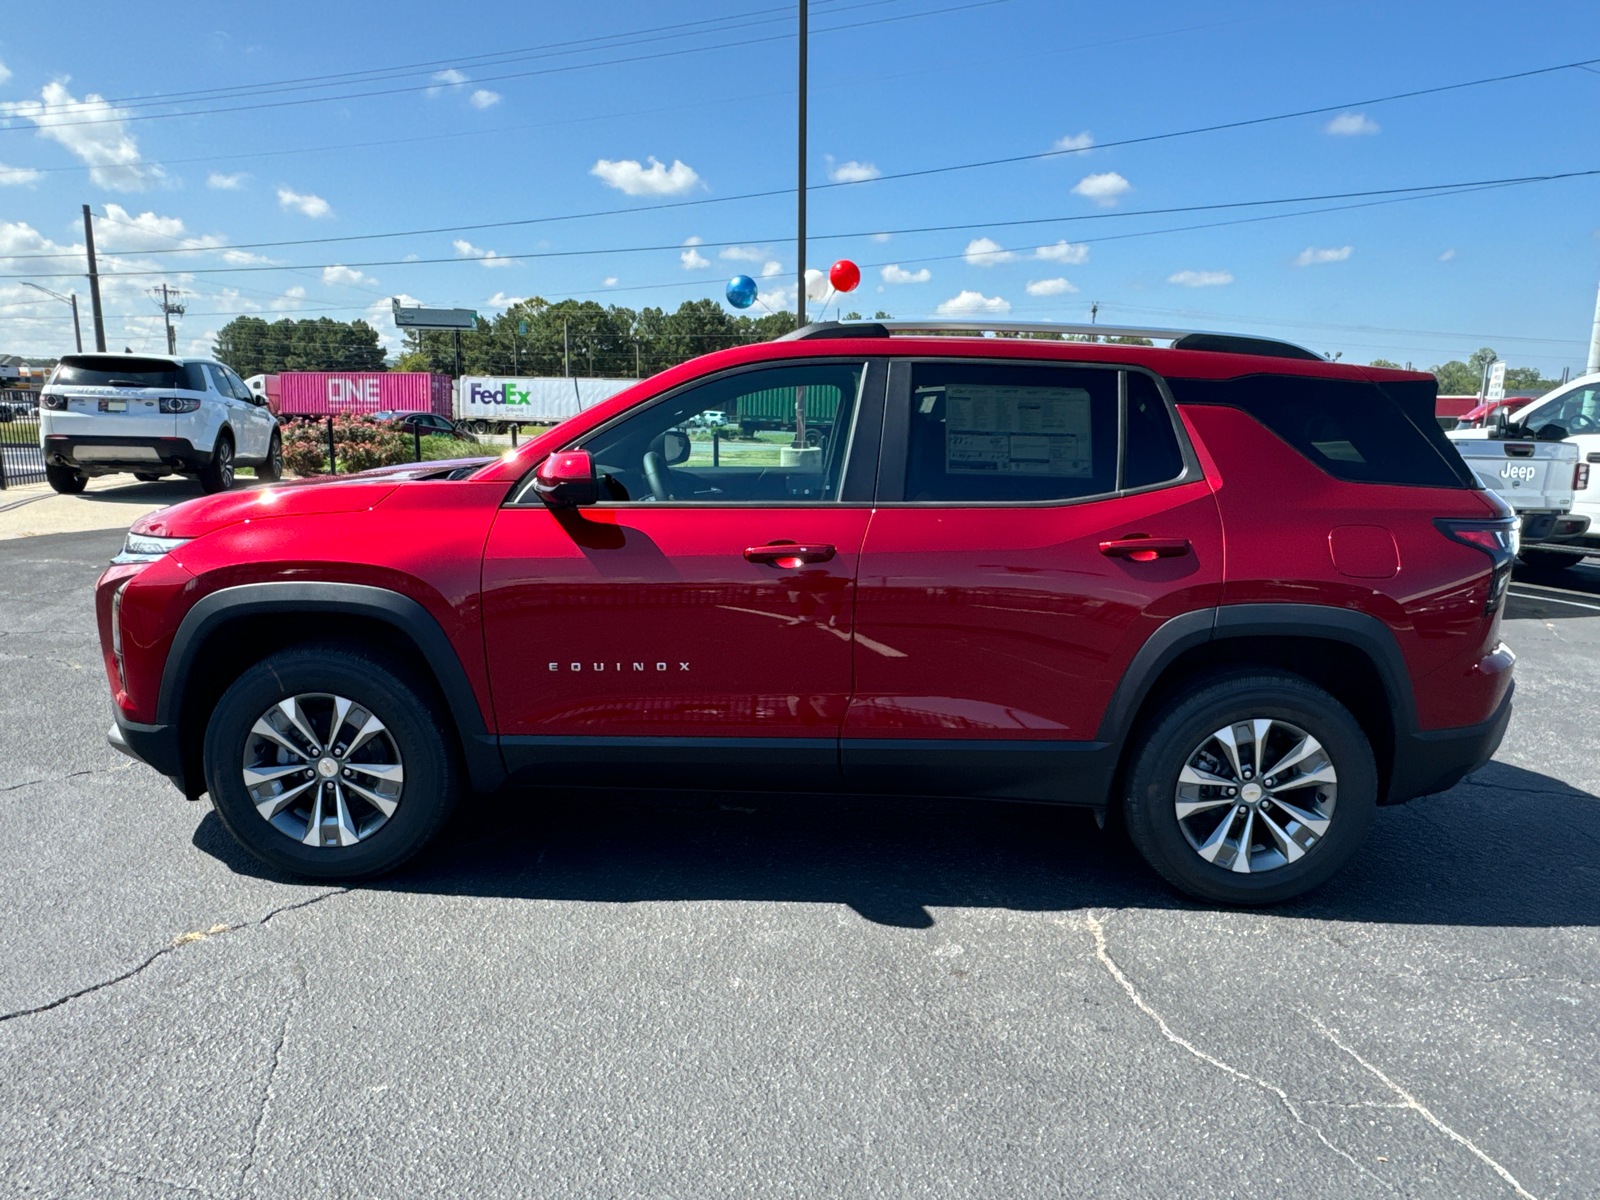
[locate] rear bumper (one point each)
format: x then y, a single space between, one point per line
154 745
91 452
1438 759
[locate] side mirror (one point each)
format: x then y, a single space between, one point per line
1500 423
675 447
566 480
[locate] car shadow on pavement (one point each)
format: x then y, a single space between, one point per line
1509 847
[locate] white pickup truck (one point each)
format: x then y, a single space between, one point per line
1537 467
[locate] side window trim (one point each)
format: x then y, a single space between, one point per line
895 445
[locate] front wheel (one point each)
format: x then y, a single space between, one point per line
272 470
1251 788
217 475
65 480
328 763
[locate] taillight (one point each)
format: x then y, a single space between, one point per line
1580 477
56 402
1497 539
179 404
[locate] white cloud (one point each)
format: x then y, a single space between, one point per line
487 257
1063 252
1311 256
5 72
851 172
1351 125
984 252
1447 256
345 275
311 205
501 300
93 131
1199 279
628 176
1049 287
121 230
971 303
451 78
483 98
226 183
1103 188
292 299
771 269
895 273
691 258
611 281
742 254
17 176
1079 141
882 237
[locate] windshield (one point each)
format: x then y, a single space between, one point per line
126 371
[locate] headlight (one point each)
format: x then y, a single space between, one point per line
141 548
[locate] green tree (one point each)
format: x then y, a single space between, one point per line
1457 378
1384 362
251 346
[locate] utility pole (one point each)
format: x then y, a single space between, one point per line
77 330
94 282
566 348
1594 341
800 183
168 300
636 374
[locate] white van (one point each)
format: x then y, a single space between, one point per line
100 414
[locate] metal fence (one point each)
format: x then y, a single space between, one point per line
21 460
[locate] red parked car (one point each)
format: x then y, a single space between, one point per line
1242 594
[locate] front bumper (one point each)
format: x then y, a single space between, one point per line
92 452
154 745
1436 760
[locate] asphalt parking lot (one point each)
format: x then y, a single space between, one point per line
728 996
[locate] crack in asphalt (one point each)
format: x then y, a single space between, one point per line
177 944
1411 1102
11 787
272 1072
166 1183
1097 931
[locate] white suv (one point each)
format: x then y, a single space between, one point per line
154 416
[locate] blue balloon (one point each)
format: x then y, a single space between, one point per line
741 291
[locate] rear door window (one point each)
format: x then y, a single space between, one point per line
1150 453
997 433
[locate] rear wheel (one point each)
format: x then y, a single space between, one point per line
65 480
1250 789
217 475
329 763
1555 560
272 470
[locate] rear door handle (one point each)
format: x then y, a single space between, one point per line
1145 549
790 554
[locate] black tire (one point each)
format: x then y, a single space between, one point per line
1554 560
145 477
217 475
65 480
1184 727
413 719
272 470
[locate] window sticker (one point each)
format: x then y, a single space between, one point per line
1017 431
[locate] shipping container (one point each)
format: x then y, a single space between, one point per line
495 402
323 393
774 408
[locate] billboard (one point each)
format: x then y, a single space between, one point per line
512 398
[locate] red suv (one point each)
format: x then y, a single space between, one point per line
1241 594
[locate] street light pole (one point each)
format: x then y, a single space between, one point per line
800 183
77 330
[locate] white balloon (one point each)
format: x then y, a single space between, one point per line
817 285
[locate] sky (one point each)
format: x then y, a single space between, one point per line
641 154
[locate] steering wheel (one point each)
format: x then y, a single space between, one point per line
1581 424
656 475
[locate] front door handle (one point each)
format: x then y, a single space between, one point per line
790 554
1145 549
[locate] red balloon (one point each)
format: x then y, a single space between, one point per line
844 275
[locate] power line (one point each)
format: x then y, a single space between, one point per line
1398 194
777 37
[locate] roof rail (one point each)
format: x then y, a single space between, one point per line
1180 339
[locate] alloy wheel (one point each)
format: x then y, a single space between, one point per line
323 770
1256 795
